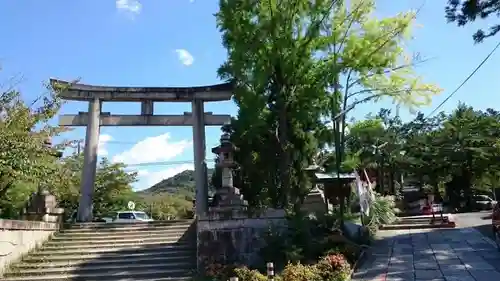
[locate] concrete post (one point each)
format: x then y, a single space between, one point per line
199 148
89 162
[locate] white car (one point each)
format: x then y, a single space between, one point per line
131 217
484 202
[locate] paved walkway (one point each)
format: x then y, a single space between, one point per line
431 255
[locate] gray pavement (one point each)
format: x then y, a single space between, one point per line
461 254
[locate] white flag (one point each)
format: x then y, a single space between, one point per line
363 195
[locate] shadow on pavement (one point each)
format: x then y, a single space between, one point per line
463 254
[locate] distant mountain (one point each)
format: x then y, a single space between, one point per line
182 184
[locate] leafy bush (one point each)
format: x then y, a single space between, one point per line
246 274
300 272
300 242
217 271
334 267
381 212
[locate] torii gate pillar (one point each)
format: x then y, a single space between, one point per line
89 161
199 150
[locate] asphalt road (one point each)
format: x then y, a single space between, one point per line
478 220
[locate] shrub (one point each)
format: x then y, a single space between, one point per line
217 271
245 274
300 272
381 212
334 267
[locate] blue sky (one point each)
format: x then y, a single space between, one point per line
137 43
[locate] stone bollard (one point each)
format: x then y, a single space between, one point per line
270 271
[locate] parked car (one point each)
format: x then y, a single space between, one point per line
131 217
483 202
495 223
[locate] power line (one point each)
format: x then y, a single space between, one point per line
165 163
465 81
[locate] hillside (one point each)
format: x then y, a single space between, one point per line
182 184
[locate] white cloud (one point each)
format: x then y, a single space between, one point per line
103 140
130 6
184 57
152 149
148 179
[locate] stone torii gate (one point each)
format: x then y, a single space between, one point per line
147 96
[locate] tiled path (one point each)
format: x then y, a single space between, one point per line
444 255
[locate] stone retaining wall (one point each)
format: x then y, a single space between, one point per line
236 240
19 237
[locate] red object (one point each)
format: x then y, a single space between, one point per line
427 210
495 217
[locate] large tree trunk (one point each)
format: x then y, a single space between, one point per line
279 92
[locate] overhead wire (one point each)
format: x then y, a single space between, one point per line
465 81
165 163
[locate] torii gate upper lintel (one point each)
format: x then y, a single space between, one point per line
95 118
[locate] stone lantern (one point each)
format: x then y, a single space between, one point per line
42 206
228 200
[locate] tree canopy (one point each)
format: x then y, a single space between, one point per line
299 67
463 12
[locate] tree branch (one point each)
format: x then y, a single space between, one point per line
387 71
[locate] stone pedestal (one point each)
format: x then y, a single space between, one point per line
227 233
42 206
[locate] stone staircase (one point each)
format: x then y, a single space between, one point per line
160 250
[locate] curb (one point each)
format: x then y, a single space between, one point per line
421 226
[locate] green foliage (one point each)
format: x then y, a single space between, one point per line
301 272
463 12
113 186
163 206
24 132
181 184
334 267
286 61
27 160
245 274
381 212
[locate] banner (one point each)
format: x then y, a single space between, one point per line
363 194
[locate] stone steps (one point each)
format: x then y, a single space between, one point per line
106 275
113 252
122 225
125 228
171 249
69 244
98 257
96 260
50 246
90 236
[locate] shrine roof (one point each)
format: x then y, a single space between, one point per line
83 92
330 177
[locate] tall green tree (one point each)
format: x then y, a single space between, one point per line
25 155
286 59
113 185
